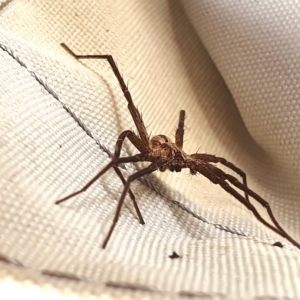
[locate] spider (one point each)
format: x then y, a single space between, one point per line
164 154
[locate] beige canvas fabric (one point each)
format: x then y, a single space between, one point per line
232 65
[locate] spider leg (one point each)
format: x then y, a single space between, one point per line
241 199
217 176
137 118
114 162
180 130
216 159
119 173
264 203
151 168
140 146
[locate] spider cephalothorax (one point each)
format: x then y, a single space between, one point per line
164 154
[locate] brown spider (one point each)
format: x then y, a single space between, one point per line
163 154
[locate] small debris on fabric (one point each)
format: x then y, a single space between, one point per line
174 255
278 244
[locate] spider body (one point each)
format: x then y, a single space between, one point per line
164 154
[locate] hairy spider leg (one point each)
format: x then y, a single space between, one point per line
264 203
180 130
119 173
206 157
217 176
135 140
217 159
137 118
151 168
114 162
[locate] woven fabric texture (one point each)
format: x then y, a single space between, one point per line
233 66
